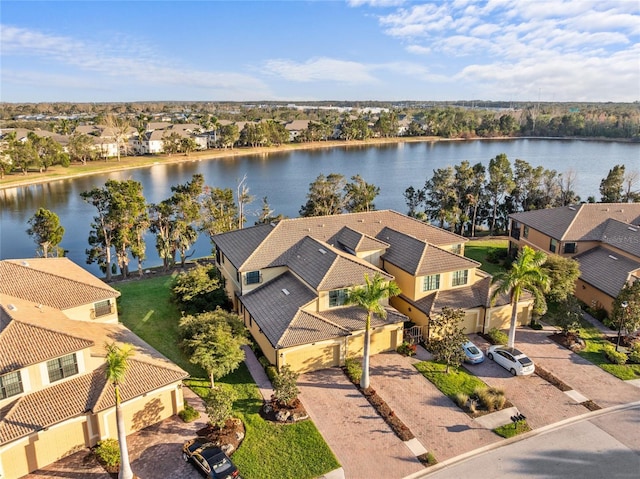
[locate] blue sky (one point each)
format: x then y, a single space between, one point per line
516 50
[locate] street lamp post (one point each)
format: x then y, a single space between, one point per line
624 305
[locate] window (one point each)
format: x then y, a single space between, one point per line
10 385
218 256
569 248
102 308
456 248
337 297
431 282
553 245
252 277
62 367
460 277
525 231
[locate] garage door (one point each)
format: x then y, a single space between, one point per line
312 358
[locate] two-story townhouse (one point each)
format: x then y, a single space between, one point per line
603 237
54 397
289 281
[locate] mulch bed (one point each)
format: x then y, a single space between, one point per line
294 411
231 434
382 408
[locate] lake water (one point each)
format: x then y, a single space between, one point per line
285 177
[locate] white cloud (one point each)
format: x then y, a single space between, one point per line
419 49
375 3
320 69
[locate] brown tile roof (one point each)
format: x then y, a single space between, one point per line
308 328
55 282
252 254
47 344
353 318
605 270
76 396
584 222
355 241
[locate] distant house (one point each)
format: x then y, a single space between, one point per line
55 318
296 127
603 237
289 281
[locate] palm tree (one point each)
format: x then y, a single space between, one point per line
368 298
525 274
117 364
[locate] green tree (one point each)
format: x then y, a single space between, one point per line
446 337
187 145
611 187
212 343
219 211
414 198
369 297
285 389
81 147
359 195
244 199
48 152
46 231
266 214
563 274
119 131
23 155
325 196
500 184
104 226
229 135
187 200
526 273
199 289
442 203
117 360
567 314
219 405
162 224
627 318
171 143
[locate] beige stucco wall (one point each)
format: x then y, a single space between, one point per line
410 311
311 357
593 297
500 316
85 313
383 338
266 274
266 347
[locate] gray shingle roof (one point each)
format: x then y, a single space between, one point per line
605 269
272 309
356 241
251 255
622 236
584 222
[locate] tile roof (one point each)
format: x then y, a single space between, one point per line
622 236
308 328
54 282
357 242
353 318
250 251
605 270
74 397
584 222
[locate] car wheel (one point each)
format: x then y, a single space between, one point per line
185 457
513 371
490 356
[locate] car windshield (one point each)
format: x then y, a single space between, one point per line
222 466
473 350
525 361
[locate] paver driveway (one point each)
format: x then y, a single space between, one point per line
363 443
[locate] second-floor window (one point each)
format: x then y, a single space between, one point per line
460 277
102 308
337 297
569 248
252 277
10 385
553 245
456 248
63 367
431 283
525 231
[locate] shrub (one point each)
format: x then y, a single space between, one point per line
497 337
220 405
634 355
535 325
264 361
496 255
108 452
272 372
354 369
285 389
461 400
407 349
189 413
491 398
613 356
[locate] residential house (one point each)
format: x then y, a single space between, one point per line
289 282
603 237
55 318
295 128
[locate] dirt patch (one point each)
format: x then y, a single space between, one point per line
551 379
284 413
227 438
570 341
590 405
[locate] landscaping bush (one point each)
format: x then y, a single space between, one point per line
497 337
108 452
461 400
613 356
497 255
427 459
220 404
264 361
407 349
354 369
188 414
272 372
285 389
535 325
491 398
634 355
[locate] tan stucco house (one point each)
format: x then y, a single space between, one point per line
55 318
289 281
603 237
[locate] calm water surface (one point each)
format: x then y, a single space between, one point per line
285 177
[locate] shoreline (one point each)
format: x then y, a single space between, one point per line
97 167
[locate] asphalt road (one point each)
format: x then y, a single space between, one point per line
604 444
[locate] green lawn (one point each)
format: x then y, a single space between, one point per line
479 249
457 381
288 451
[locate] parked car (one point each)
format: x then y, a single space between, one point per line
513 360
472 353
209 460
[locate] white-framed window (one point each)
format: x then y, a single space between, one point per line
10 385
553 245
460 277
62 367
253 277
337 297
431 283
102 308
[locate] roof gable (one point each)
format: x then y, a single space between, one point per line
605 270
